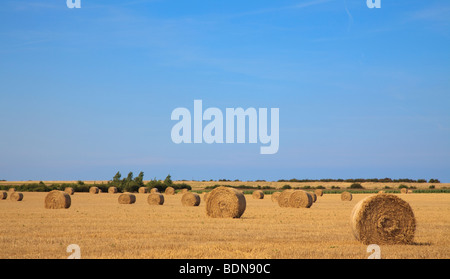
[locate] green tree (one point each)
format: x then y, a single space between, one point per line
117 177
140 179
168 181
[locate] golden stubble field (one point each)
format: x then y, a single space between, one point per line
103 228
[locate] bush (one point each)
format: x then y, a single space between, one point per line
286 187
431 187
356 186
320 187
403 186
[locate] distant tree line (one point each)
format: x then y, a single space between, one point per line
360 180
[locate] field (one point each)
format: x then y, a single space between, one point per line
103 228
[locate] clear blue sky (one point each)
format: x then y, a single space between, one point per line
87 92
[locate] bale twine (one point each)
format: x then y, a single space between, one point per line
283 199
155 199
16 196
127 198
169 191
383 219
275 196
190 199
346 196
299 199
154 190
225 202
94 190
404 191
57 200
112 190
3 195
69 190
258 194
143 190
313 196
318 192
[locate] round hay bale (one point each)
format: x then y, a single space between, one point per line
346 196
205 196
190 199
154 190
169 191
184 190
155 199
313 196
3 195
258 195
94 190
69 190
16 196
275 196
112 190
318 192
404 191
57 200
383 219
143 190
10 190
283 198
225 202
380 192
127 198
299 199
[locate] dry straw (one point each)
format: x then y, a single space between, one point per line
69 190
313 196
112 190
318 192
3 195
94 190
57 200
383 219
154 190
283 199
299 199
155 199
143 190
404 191
275 196
205 196
16 196
184 190
346 196
169 191
127 198
225 202
258 194
190 199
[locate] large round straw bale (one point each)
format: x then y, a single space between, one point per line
283 199
154 190
190 199
143 190
169 191
258 194
346 196
313 196
318 192
57 200
112 190
404 191
3 195
155 199
383 219
300 198
275 196
225 202
127 198
15 196
69 190
94 190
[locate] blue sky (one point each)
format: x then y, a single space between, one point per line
87 92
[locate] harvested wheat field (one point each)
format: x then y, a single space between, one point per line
103 228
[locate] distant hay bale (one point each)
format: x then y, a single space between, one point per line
190 199
3 195
404 191
283 198
275 196
57 200
169 191
383 219
380 192
205 196
155 199
225 202
11 190
94 190
258 195
127 198
313 196
318 192
346 196
112 190
154 190
143 190
299 199
69 190
15 196
184 190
